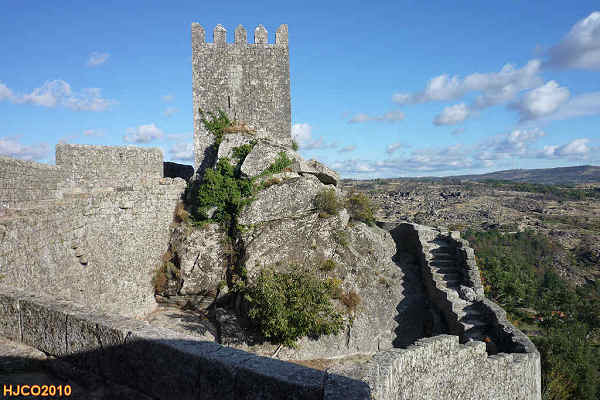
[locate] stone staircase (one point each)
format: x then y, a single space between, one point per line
447 275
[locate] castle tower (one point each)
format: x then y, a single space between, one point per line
249 81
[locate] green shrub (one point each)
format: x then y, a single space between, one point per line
281 163
222 189
294 145
328 265
216 124
342 238
327 202
360 208
242 151
287 306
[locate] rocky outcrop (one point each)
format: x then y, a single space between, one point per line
201 255
321 171
262 156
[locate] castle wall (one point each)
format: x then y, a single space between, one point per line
441 368
24 183
95 239
249 81
107 165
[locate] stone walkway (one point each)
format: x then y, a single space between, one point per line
25 365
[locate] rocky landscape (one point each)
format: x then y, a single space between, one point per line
568 215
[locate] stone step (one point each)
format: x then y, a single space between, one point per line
443 256
474 324
478 333
444 268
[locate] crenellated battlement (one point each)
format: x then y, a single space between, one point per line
249 81
261 36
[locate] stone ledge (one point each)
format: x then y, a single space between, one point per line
156 361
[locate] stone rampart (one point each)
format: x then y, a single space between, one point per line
26 183
85 165
441 368
158 362
95 235
467 311
249 81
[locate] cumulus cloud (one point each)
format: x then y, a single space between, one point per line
182 151
392 116
496 87
93 132
143 134
541 101
579 106
580 48
11 147
170 111
347 149
507 145
302 134
391 148
452 115
517 144
97 58
576 149
58 92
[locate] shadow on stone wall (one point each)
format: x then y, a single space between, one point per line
177 369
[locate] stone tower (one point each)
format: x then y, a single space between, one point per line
249 81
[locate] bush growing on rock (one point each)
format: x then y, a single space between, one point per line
216 125
287 306
360 208
327 203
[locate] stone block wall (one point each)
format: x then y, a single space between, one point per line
441 368
26 183
85 165
96 238
249 81
158 362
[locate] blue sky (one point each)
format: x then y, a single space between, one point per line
379 89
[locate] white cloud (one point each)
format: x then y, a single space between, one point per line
170 111
168 98
93 132
391 148
391 116
542 101
578 106
452 115
580 48
89 100
302 134
59 92
496 87
97 58
182 151
507 145
143 134
347 149
11 147
576 149
5 92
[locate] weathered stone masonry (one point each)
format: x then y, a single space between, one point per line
91 229
249 81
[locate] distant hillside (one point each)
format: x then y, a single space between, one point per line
563 175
